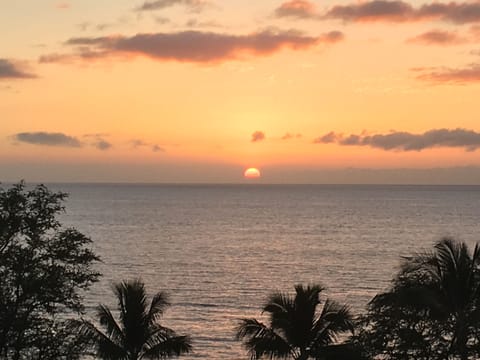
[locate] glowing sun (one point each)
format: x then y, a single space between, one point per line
251 173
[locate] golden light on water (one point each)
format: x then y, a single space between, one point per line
252 173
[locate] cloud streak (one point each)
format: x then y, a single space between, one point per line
289 136
401 11
438 37
192 5
13 70
405 141
190 46
466 75
48 139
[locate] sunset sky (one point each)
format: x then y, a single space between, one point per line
199 90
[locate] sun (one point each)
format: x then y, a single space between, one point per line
252 173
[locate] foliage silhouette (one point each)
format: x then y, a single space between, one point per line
432 310
43 271
137 335
297 329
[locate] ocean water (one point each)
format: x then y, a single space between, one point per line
219 250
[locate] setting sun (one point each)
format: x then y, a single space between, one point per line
251 173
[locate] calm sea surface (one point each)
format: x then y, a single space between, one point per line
219 250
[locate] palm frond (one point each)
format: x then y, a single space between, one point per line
280 308
278 303
161 347
261 340
104 347
113 330
334 319
157 307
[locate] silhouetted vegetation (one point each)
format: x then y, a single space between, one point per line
137 334
299 327
43 269
432 310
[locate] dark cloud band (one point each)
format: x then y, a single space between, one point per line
191 46
405 141
386 10
12 70
48 139
398 10
194 5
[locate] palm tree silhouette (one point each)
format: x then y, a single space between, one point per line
446 283
296 330
137 335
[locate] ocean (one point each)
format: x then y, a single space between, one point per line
220 250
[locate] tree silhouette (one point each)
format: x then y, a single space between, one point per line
137 335
297 328
44 269
432 310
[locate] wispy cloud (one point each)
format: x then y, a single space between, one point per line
191 46
102 144
289 136
438 37
465 75
401 11
157 148
48 139
62 5
192 5
10 69
257 136
303 9
99 142
405 141
138 143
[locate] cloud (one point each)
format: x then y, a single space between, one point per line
62 6
376 10
438 37
326 139
192 5
102 144
13 70
258 136
138 143
401 11
405 141
303 9
289 136
190 46
48 139
156 148
98 141
469 74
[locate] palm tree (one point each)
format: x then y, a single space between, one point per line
137 335
297 329
446 284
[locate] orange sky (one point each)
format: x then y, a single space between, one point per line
199 90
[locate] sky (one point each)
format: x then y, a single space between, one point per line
333 91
